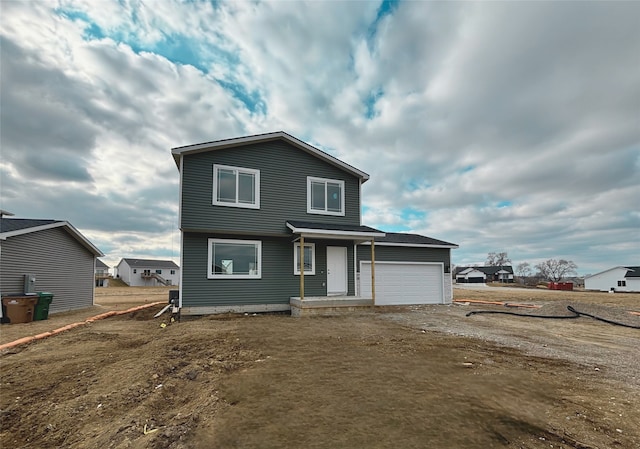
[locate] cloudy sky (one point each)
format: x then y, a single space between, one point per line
499 126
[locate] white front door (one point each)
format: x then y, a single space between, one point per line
336 270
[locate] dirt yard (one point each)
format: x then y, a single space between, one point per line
412 377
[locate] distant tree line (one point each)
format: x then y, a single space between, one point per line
552 270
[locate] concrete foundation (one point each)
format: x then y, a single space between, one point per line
329 305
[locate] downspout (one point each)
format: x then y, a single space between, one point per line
301 262
182 235
373 271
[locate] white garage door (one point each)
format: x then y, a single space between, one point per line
402 283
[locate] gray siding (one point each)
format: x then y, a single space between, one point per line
283 190
406 254
277 285
62 266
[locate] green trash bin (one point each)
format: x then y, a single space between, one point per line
41 310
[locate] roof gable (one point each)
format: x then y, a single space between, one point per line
11 227
625 272
177 152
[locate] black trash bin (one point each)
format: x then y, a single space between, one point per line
41 311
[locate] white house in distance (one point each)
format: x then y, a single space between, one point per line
102 274
148 272
618 279
471 275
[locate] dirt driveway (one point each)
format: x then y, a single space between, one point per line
394 378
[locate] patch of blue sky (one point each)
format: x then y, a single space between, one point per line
394 228
253 101
505 203
414 184
174 47
370 103
387 7
409 213
467 169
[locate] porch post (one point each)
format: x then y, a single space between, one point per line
373 271
301 260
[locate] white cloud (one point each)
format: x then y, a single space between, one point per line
505 126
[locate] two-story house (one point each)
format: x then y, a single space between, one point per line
147 272
269 219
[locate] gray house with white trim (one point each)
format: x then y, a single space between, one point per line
60 258
248 206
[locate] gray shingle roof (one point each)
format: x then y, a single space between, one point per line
18 224
150 263
634 272
413 239
331 226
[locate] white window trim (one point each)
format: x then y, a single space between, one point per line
256 192
325 212
296 259
212 275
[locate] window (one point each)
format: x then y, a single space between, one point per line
235 259
158 271
173 271
622 283
236 187
309 258
325 196
135 271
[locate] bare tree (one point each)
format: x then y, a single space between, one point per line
497 260
554 270
523 270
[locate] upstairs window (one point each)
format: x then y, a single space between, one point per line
325 196
622 283
236 187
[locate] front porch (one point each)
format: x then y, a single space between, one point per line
328 305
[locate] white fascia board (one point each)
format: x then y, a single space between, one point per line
411 245
328 233
606 271
227 143
78 236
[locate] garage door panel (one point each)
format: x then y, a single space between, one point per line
403 283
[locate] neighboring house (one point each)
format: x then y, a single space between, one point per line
470 275
102 274
619 279
474 275
247 206
148 272
55 254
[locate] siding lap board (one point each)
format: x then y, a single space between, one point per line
283 190
62 266
406 254
277 285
